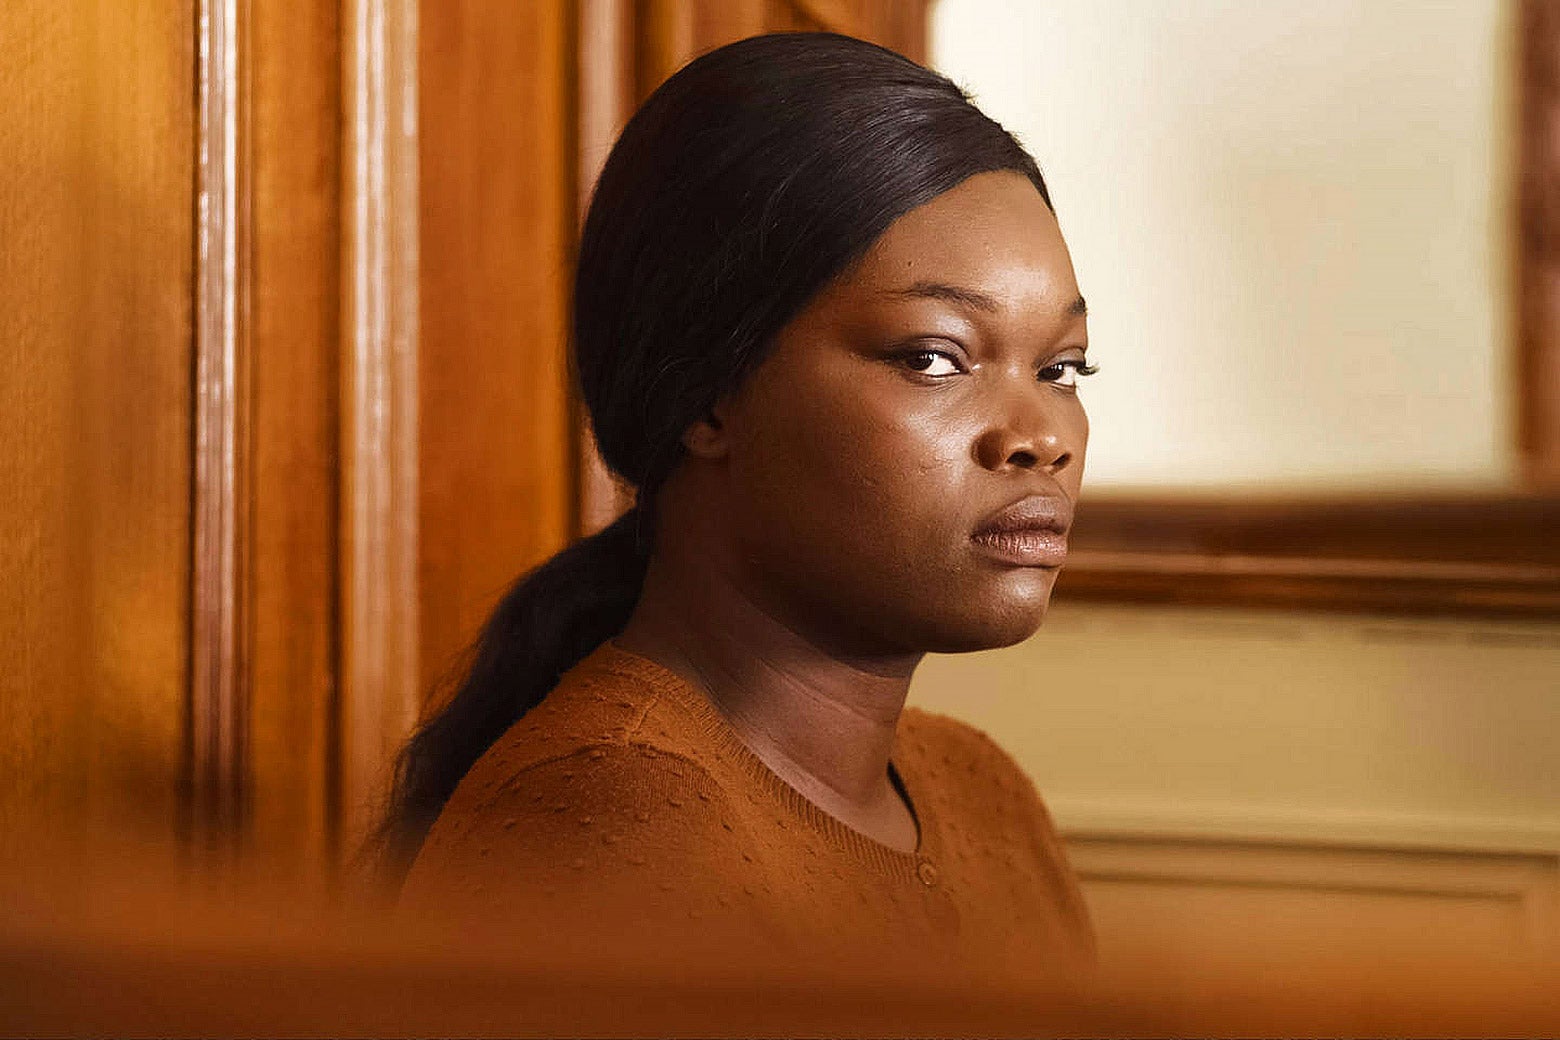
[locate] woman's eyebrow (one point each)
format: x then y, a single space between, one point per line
972 299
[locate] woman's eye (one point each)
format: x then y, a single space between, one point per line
932 363
1066 373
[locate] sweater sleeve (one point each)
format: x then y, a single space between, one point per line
611 839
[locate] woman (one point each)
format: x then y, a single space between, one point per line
827 328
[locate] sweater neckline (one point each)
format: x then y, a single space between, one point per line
714 726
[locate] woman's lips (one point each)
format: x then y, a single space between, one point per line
1026 547
1031 532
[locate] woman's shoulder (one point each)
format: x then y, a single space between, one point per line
603 707
599 776
606 834
957 751
601 735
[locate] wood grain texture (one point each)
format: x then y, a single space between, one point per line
498 212
672 32
97 126
295 311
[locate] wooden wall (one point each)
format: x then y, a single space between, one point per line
497 210
283 378
97 225
295 307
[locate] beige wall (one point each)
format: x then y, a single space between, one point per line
1246 724
1243 785
1290 219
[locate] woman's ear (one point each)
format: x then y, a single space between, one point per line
706 438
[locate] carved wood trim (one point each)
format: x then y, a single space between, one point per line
378 695
606 88
219 637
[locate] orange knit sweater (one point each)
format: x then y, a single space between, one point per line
625 805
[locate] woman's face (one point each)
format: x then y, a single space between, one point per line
922 400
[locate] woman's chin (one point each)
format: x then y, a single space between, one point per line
994 625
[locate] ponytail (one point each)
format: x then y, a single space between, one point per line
548 621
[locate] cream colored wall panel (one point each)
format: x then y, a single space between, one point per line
1187 903
1274 725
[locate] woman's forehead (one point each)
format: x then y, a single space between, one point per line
991 243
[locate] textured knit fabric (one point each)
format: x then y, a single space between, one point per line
625 803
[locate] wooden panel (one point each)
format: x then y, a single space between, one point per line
896 24
97 219
674 31
295 121
497 180
1185 905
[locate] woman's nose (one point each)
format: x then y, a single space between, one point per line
1027 437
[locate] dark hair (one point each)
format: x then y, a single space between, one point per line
745 184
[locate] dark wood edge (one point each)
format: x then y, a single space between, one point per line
1430 554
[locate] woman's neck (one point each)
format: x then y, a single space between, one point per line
823 722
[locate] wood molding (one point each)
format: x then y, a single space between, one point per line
1300 865
1538 243
1321 827
219 667
1489 555
606 87
379 507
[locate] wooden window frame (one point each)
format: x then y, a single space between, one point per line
1444 553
